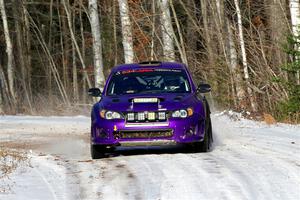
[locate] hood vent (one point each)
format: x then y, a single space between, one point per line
115 100
178 98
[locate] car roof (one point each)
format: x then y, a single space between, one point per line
150 64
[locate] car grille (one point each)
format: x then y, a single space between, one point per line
145 134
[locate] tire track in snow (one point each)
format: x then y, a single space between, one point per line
224 177
50 188
120 179
52 175
266 165
148 175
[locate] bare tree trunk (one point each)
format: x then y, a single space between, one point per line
64 50
126 31
295 18
82 49
50 58
97 46
66 6
207 33
75 78
74 65
115 34
50 22
153 35
82 30
9 51
181 46
167 31
17 11
234 68
27 50
1 90
4 93
152 30
276 14
244 57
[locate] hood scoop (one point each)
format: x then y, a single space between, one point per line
115 100
178 98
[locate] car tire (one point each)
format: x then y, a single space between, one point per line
97 151
205 145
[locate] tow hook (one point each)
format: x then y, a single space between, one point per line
116 135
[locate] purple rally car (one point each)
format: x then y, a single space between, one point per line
150 103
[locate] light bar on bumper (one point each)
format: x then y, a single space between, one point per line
141 116
146 116
161 116
130 116
151 116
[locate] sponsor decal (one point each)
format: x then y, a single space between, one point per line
145 71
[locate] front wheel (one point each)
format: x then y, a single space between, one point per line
205 145
97 151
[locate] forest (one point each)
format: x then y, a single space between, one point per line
52 51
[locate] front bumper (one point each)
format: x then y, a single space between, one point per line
175 130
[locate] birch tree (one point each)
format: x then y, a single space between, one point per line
97 46
295 16
126 31
234 67
167 31
295 19
244 56
9 51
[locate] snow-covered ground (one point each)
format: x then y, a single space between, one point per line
250 160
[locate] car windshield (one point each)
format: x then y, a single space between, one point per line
143 81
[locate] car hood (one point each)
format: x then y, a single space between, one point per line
166 102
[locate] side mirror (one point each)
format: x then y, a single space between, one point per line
94 92
204 88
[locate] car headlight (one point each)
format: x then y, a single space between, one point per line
183 113
107 114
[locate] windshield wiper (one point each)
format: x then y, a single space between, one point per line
150 91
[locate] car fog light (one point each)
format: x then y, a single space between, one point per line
130 116
141 116
161 115
100 133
